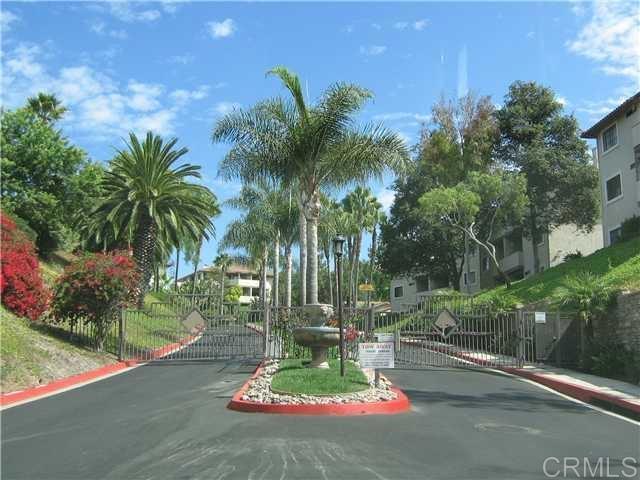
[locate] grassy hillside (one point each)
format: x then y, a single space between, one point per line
30 355
618 266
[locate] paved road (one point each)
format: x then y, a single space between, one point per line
169 421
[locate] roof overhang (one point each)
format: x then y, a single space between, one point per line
610 117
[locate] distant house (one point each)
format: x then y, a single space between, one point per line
407 290
247 278
618 155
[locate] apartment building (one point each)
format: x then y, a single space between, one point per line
516 257
407 290
618 155
237 275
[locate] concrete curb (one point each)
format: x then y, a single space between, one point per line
399 405
79 379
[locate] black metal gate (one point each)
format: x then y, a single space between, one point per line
191 327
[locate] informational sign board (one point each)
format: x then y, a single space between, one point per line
366 287
385 337
375 355
541 317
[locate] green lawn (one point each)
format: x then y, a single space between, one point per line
618 266
293 377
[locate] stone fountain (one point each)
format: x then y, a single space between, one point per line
317 336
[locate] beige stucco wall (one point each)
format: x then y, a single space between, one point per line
619 160
567 239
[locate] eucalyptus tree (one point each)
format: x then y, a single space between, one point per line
311 146
149 198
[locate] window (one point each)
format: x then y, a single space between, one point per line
614 188
469 278
636 161
614 235
609 138
398 292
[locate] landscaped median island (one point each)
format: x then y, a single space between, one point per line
288 386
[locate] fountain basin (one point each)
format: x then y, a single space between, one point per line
318 339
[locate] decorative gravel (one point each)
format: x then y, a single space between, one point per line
260 391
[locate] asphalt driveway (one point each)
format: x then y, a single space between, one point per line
168 420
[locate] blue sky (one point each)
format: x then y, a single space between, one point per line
174 67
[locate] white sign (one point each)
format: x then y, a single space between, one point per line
541 317
385 337
375 355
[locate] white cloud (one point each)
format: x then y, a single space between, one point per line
377 26
182 59
99 106
130 13
395 116
6 19
223 29
386 197
373 50
562 101
420 24
100 28
611 37
223 108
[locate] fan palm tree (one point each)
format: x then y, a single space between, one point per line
46 106
316 146
148 198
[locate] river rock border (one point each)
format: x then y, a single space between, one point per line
256 396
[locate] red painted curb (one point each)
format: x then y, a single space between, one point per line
399 405
582 393
585 394
73 380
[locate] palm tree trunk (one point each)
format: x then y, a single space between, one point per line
265 259
303 258
327 256
289 266
143 254
372 255
196 263
175 277
222 269
351 250
276 272
313 215
357 269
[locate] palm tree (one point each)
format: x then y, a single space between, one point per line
148 198
46 106
223 262
315 146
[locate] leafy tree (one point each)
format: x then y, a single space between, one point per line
544 145
459 141
233 295
311 146
47 107
148 198
44 177
479 207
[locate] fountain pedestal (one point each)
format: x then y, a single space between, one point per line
318 337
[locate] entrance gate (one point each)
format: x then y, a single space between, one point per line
190 327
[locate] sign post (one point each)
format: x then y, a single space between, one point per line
377 355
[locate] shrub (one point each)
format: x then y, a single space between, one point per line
573 255
630 228
93 289
232 294
21 285
614 360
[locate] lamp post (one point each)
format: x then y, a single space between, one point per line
338 245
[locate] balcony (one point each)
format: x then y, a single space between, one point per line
241 282
512 261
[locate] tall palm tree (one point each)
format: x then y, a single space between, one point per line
223 262
148 197
315 146
46 106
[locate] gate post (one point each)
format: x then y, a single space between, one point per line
121 335
520 324
266 329
368 334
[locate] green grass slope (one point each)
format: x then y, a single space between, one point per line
618 266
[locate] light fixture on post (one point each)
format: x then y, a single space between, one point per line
338 250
